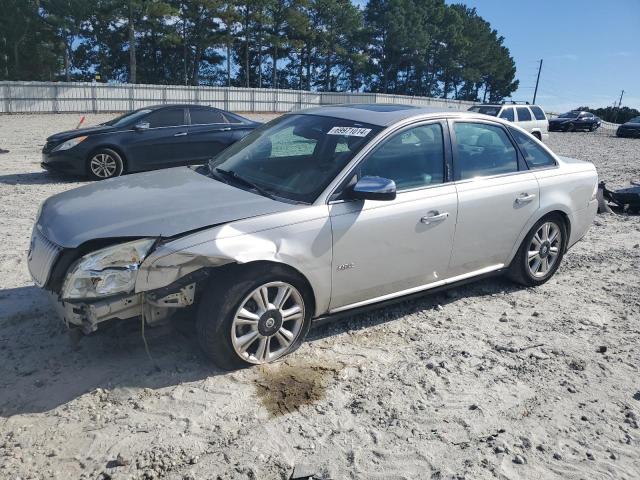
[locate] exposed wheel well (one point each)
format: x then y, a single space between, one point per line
232 268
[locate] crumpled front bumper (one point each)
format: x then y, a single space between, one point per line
154 307
87 316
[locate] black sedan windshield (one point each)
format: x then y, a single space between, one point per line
294 157
569 115
634 120
127 118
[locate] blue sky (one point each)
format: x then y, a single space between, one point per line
591 49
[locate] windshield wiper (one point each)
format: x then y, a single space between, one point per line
233 175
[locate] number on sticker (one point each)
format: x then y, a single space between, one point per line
349 131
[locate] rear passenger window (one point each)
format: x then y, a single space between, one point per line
412 158
523 114
538 113
507 114
200 116
483 150
171 117
534 154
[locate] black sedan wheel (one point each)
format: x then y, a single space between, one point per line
103 164
570 128
593 127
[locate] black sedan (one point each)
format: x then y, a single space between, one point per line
574 120
629 129
147 139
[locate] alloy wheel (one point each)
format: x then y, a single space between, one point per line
267 322
103 165
544 249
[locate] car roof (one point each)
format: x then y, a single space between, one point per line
173 105
380 114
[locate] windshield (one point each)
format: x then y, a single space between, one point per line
127 118
634 120
569 115
294 157
485 110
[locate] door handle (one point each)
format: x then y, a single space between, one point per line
436 217
525 198
181 134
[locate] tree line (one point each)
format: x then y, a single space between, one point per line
613 114
411 47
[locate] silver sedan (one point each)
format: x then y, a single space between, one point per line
316 213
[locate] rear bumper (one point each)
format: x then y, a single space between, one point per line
582 221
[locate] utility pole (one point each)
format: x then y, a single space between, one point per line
615 119
535 92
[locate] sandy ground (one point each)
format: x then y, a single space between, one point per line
489 380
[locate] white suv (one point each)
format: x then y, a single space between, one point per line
529 117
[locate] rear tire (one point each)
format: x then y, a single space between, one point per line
541 252
570 128
104 163
538 135
243 320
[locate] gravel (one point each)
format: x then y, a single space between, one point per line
386 394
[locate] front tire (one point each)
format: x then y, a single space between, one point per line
253 316
540 253
104 163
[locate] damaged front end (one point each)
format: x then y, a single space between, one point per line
100 286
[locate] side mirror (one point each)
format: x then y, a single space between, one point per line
374 188
142 126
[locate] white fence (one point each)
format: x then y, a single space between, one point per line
60 97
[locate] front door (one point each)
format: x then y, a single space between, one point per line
382 248
163 143
497 196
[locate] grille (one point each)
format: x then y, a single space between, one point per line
42 254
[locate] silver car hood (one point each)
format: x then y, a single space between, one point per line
152 204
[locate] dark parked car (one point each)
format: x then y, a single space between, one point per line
629 129
147 139
574 120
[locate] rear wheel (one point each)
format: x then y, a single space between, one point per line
104 163
540 253
255 316
537 135
570 128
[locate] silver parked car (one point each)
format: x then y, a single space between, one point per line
315 213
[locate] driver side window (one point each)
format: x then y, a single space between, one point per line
412 158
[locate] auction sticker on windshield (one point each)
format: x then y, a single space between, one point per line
349 131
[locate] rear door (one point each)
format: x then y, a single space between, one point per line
525 119
160 145
210 132
381 248
497 195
